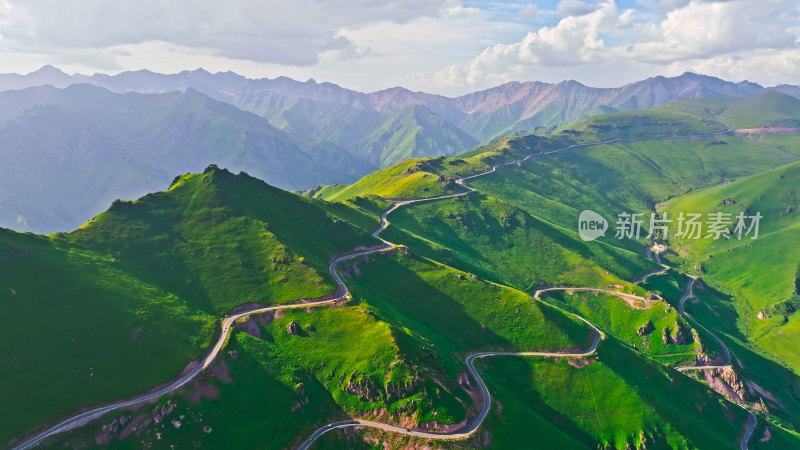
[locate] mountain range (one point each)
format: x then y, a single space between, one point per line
128 134
342 305
511 108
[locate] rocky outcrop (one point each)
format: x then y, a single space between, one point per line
249 326
784 308
645 329
300 391
110 430
160 413
666 336
293 328
365 389
726 381
675 336
264 318
396 391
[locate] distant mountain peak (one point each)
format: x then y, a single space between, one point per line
48 70
572 83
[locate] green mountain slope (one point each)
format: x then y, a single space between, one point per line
765 302
125 302
474 233
460 283
771 109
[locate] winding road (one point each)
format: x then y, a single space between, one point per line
343 294
486 398
752 421
682 310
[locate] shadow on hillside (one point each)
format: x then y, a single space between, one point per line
540 425
438 329
716 311
695 411
612 259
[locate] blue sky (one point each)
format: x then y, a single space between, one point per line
441 46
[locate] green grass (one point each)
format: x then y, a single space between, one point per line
409 356
80 324
616 316
663 121
551 404
406 179
456 314
495 240
740 265
771 109
134 294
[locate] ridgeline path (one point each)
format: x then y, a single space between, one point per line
343 293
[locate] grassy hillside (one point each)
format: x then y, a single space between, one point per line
498 241
771 109
223 240
80 323
459 283
126 301
376 358
663 121
407 179
653 169
619 400
626 177
760 273
639 401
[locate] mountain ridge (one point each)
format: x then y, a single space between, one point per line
509 108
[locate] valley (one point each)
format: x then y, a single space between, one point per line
441 300
343 294
389 225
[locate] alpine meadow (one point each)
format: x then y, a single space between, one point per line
445 254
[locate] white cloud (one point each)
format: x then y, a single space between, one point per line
293 33
708 29
768 67
433 45
694 34
573 40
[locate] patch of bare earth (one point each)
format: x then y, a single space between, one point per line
376 441
579 362
753 387
202 390
442 427
767 435
131 426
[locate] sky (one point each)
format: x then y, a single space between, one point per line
447 47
